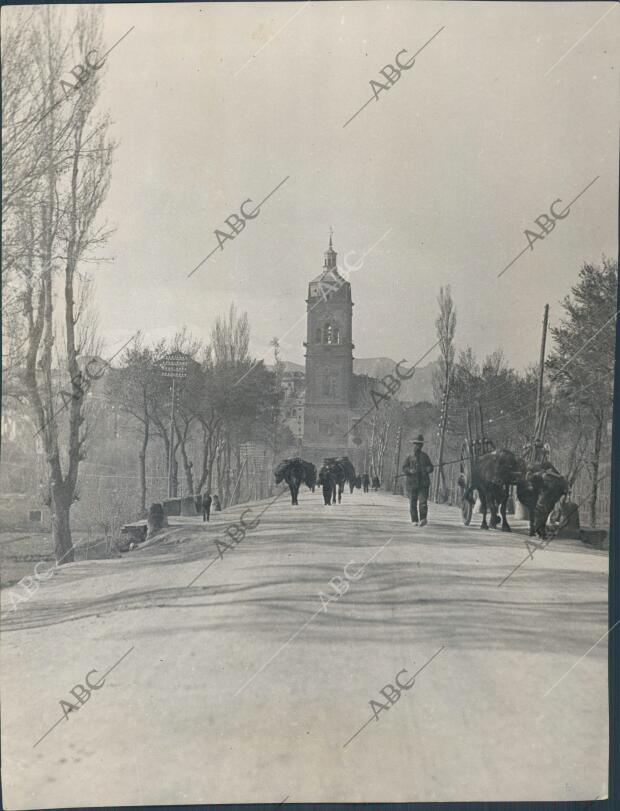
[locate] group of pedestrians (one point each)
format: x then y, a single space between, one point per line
365 482
417 470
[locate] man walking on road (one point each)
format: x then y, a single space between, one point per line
327 480
417 469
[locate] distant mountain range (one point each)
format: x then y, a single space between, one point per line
418 388
415 390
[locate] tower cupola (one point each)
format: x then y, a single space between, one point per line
330 256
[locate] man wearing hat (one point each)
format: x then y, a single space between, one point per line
417 469
327 480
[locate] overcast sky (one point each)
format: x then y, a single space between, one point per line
218 103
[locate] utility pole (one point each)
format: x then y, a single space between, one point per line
171 435
399 437
541 365
174 366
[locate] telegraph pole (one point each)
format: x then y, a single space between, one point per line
174 366
399 437
541 365
171 434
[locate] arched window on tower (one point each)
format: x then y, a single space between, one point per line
329 334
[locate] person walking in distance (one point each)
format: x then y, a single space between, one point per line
417 469
206 506
366 482
216 503
327 480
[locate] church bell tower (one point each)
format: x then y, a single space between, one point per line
329 360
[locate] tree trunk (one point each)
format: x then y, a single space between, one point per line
218 464
574 463
440 479
236 492
142 463
227 474
206 450
598 438
61 526
210 472
175 478
187 465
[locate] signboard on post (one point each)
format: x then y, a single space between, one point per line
175 365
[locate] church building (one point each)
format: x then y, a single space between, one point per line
333 398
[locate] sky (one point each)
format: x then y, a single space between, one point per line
436 179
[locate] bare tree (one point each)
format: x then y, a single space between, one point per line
446 326
56 189
135 387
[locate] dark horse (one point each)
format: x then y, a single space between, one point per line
347 475
539 490
492 476
334 474
294 472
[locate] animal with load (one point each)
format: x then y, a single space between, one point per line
539 486
333 476
295 472
539 491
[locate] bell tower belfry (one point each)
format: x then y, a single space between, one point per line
329 358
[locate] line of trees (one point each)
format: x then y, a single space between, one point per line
578 387
226 400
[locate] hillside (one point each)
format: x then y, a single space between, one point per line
419 388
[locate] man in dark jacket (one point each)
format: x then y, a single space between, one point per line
366 482
417 469
206 506
327 480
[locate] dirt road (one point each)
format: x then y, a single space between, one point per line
250 684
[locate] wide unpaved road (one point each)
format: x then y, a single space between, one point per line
239 688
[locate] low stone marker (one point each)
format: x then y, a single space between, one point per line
156 520
172 506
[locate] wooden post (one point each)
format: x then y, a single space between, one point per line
399 438
171 449
541 365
